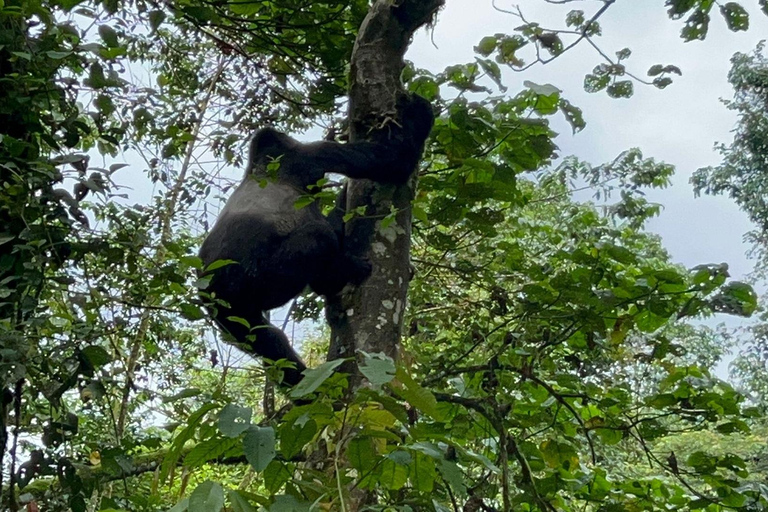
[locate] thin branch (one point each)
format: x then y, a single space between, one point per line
583 35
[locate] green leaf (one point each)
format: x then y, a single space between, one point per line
425 87
477 457
289 504
207 497
733 426
487 46
192 262
294 436
542 90
180 440
96 78
610 436
419 397
648 321
453 475
219 263
191 312
391 475
204 14
259 446
57 55
210 449
547 98
423 472
661 401
96 355
181 506
362 454
696 26
573 115
113 53
156 18
203 283
184 393
314 377
559 455
234 420
621 89
702 463
429 449
239 503
388 220
68 5
419 213
276 475
595 83
678 8
618 253
244 7
385 400
109 36
508 48
735 298
239 320
377 368
575 18
303 202
623 54
107 107
736 17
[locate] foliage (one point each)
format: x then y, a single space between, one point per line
39 118
547 350
750 365
743 174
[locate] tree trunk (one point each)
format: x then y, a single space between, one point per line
370 318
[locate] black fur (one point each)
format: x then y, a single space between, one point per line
280 250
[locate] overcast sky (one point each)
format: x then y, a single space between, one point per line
679 125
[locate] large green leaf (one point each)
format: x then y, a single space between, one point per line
207 497
234 420
314 378
259 446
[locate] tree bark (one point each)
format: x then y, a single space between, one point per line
370 317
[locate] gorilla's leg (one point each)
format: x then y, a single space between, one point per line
263 339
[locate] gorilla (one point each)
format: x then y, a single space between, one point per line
276 250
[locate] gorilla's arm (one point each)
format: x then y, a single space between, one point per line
391 159
363 160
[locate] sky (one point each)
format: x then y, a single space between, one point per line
679 125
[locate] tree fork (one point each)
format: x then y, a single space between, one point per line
370 317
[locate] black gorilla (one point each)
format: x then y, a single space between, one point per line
279 249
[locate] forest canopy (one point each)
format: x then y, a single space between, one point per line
517 346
